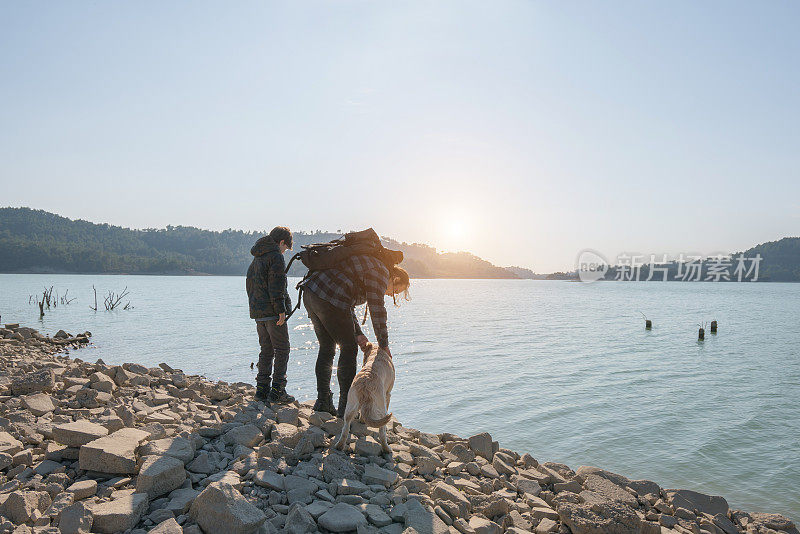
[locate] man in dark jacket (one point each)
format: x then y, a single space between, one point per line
269 302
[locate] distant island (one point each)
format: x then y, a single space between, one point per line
36 241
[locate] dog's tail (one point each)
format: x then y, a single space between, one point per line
378 422
371 404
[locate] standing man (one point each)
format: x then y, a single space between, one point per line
269 302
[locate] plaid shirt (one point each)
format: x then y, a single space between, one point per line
357 280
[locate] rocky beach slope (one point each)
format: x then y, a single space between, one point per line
90 447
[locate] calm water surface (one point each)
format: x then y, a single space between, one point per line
562 370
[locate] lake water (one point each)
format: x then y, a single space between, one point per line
565 371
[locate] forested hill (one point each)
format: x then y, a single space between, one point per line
38 241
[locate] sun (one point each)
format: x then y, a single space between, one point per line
453 232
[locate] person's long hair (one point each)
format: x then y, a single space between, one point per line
397 272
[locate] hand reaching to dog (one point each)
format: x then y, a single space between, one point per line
362 342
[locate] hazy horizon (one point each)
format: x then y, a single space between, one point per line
522 132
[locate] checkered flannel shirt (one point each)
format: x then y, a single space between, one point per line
357 280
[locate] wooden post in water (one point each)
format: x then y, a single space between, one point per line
701 335
713 327
648 324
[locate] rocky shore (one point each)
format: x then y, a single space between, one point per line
90 447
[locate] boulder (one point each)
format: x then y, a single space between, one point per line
482 445
423 520
692 500
78 433
181 499
342 518
445 492
599 518
299 521
159 475
609 490
77 519
177 447
170 526
115 453
481 525
286 435
83 489
21 506
118 515
269 479
202 464
368 447
378 475
38 403
44 380
9 444
246 435
221 508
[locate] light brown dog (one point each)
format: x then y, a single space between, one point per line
369 394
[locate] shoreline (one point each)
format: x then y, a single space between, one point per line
92 447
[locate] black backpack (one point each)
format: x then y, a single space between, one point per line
321 256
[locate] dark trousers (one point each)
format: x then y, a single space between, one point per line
274 341
333 326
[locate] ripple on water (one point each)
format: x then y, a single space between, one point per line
564 371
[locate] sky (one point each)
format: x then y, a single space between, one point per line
522 132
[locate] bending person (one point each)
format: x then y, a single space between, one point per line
330 296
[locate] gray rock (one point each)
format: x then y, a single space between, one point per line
177 447
527 486
269 479
83 489
342 518
368 447
378 475
481 525
118 515
609 490
40 381
9 444
77 519
78 433
299 521
159 475
446 492
202 464
115 453
599 518
350 487
246 435
692 500
221 508
181 499
170 526
317 508
61 502
377 516
20 506
38 404
481 445
422 520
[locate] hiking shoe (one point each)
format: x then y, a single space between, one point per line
262 393
279 395
325 403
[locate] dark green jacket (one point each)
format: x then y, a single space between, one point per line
266 281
